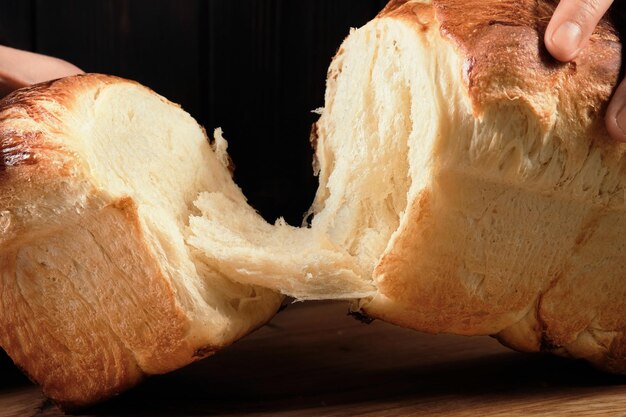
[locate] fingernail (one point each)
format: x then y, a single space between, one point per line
621 120
568 36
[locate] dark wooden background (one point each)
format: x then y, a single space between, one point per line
254 67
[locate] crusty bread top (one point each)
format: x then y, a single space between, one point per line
505 57
26 118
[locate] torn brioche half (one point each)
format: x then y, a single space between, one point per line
467 184
98 287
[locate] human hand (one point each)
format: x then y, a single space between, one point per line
21 68
568 33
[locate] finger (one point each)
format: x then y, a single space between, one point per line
21 68
572 25
616 114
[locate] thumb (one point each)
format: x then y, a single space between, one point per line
616 114
572 25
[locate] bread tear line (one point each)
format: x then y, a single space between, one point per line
363 144
293 260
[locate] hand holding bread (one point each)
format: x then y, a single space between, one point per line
567 35
22 68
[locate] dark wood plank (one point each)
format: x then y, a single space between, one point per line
315 360
152 41
17 28
266 67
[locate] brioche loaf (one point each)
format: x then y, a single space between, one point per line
467 180
98 287
467 185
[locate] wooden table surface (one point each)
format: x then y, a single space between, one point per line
314 360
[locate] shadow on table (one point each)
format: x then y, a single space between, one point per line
10 375
209 388
316 359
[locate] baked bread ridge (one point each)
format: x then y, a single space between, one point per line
97 179
521 230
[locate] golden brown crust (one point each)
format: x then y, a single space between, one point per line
392 7
32 165
502 42
78 352
420 14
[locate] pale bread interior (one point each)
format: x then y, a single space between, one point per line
382 95
145 148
